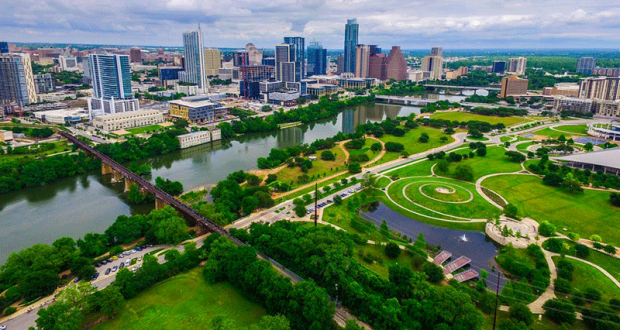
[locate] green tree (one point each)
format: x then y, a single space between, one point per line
433 272
392 250
327 155
337 200
376 147
369 181
59 316
249 204
610 249
39 283
521 313
171 230
275 322
384 229
560 311
355 168
546 229
181 123
464 172
511 211
111 300
300 210
443 166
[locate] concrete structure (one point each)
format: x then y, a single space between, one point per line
168 75
606 108
362 61
561 103
240 57
197 110
44 83
56 96
608 72
71 116
200 137
356 82
16 80
213 62
68 63
132 119
283 97
607 160
351 31
513 85
437 51
564 89
317 59
194 59
498 67
298 55
135 55
340 64
111 78
6 136
255 56
604 88
284 62
434 65
396 65
321 89
517 65
251 76
585 65
229 73
377 66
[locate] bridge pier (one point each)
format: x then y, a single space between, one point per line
105 168
128 184
116 176
159 203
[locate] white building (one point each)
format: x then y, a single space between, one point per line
111 79
68 63
200 137
132 119
6 136
72 116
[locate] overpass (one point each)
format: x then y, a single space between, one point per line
473 88
403 100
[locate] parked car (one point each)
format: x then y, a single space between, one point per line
114 258
140 258
128 262
95 276
107 271
114 268
2 327
121 265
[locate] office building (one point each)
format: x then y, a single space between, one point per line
512 86
44 83
434 65
317 59
16 79
585 65
4 47
340 64
437 51
199 110
350 42
166 74
62 116
564 89
298 55
111 81
213 62
362 61
200 137
252 75
608 72
396 65
5 136
377 67
604 88
255 56
125 120
194 72
517 65
241 57
270 60
135 55
499 67
285 63
68 63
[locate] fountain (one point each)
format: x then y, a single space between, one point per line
463 238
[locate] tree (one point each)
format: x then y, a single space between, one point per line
610 249
560 311
554 245
572 184
588 146
521 313
433 272
546 229
511 211
38 283
171 230
420 242
174 188
392 250
614 198
271 178
276 322
369 181
562 286
181 123
327 155
515 156
355 168
253 180
376 147
481 151
582 251
475 133
443 166
337 200
394 147
59 316
553 179
300 210
424 138
384 229
111 300
464 172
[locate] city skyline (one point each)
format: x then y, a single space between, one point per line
454 25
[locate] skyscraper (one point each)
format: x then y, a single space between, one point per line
317 59
298 50
340 64
396 65
362 61
16 79
213 62
437 51
4 47
135 55
255 56
350 41
433 64
194 59
111 80
585 65
517 65
498 67
285 63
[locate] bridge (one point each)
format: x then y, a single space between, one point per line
403 100
463 87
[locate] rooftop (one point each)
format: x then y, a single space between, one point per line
608 158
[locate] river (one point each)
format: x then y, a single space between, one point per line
90 203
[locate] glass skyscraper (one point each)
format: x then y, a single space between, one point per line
298 55
111 80
194 59
317 59
350 42
4 47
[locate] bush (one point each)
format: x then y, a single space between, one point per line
562 286
546 229
596 238
337 200
592 294
327 155
376 147
521 313
392 250
610 249
560 311
554 245
433 272
614 304
511 211
394 147
582 251
10 310
355 168
573 236
464 172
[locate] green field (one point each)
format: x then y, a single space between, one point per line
586 276
585 214
144 129
607 262
411 143
576 129
523 146
465 116
383 263
416 169
59 146
495 161
568 131
320 168
185 301
383 182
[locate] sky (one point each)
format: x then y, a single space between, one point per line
464 24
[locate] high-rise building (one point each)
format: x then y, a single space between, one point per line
603 88
16 79
513 85
377 67
499 67
68 63
298 50
135 55
4 47
350 41
194 59
111 80
285 64
396 65
517 65
252 75
168 73
317 59
340 64
255 56
437 51
434 65
213 62
44 83
585 65
362 61
241 57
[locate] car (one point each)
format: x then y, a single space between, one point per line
140 258
121 265
95 276
107 271
367 172
2 327
109 260
134 269
329 201
121 255
308 211
98 264
128 262
114 268
77 279
114 258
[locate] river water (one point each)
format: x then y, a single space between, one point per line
90 203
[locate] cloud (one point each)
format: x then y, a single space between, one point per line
233 23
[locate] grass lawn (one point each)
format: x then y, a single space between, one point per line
383 182
586 276
523 146
576 129
320 169
340 216
311 188
495 161
416 169
144 129
185 301
609 263
411 143
383 263
465 116
585 214
548 132
59 146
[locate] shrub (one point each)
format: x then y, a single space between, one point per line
327 155
392 250
511 211
582 251
554 245
592 294
546 229
614 304
573 236
394 147
355 168
10 310
521 313
434 272
560 311
596 238
609 249
562 286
